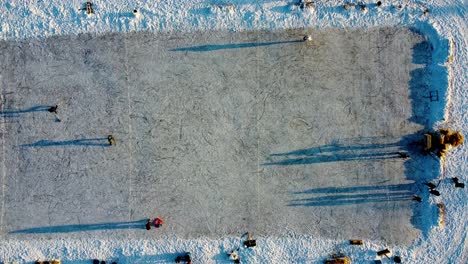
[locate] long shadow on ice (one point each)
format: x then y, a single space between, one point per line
204 48
87 142
359 149
19 112
351 195
139 224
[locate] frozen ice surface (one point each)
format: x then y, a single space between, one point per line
216 133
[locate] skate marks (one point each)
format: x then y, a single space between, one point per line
355 158
239 131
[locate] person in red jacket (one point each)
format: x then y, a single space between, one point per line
158 222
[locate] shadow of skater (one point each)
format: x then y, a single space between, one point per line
356 195
204 48
358 149
17 113
139 224
341 157
87 142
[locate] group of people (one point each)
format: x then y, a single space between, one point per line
433 191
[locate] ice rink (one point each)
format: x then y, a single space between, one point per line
218 133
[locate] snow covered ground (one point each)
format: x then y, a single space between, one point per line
444 24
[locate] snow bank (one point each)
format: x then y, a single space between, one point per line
444 24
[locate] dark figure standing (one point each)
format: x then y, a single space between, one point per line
111 140
457 182
148 224
185 258
403 155
430 185
417 199
53 109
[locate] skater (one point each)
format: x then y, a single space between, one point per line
307 38
111 140
417 198
434 192
53 109
148 224
158 222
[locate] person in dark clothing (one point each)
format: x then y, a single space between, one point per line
53 109
417 198
186 258
403 155
430 185
148 224
111 140
457 182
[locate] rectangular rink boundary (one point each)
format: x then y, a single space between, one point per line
217 133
